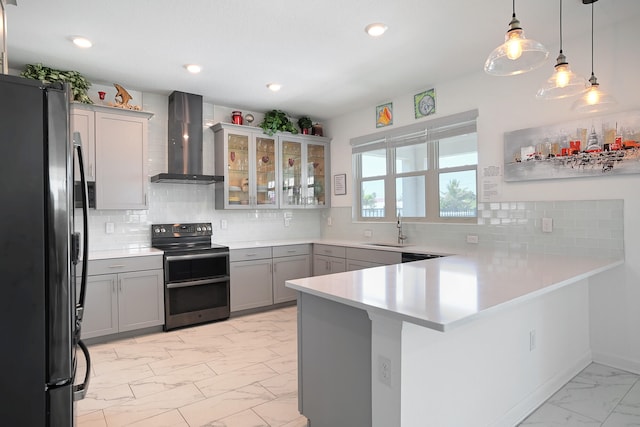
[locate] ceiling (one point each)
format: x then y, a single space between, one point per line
318 51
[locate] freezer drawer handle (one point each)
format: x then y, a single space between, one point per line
80 390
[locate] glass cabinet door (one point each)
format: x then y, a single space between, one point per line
238 149
315 174
292 191
266 176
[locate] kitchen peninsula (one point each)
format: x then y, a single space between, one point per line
479 339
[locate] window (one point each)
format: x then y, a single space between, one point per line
424 172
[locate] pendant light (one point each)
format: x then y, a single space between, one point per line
595 99
563 82
517 54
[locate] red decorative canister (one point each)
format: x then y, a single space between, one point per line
236 117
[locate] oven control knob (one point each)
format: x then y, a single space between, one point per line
198 229
163 229
208 228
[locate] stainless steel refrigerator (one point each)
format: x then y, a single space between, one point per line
40 313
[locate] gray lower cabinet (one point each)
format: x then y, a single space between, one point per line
251 278
289 262
358 258
328 259
123 294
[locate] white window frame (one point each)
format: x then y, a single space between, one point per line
429 132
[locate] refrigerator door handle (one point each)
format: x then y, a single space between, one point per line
85 233
80 390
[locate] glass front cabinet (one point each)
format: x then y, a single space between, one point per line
261 171
248 160
304 171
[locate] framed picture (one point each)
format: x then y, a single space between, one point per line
340 184
384 115
424 103
588 147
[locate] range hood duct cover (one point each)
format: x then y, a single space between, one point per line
185 142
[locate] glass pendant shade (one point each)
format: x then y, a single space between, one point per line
563 82
517 54
594 100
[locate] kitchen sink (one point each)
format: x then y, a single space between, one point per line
389 245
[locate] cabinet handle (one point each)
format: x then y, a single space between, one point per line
251 254
113 287
273 268
120 285
116 266
291 251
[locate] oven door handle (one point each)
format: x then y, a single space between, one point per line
197 282
170 258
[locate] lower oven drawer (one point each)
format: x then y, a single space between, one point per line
189 305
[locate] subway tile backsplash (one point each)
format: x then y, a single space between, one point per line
582 227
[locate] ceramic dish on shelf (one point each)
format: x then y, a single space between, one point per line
234 188
262 188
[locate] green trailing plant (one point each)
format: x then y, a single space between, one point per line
79 85
277 121
305 122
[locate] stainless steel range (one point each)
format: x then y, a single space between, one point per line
196 274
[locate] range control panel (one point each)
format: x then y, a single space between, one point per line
182 230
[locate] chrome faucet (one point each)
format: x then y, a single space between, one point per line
401 237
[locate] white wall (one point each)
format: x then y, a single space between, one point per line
508 103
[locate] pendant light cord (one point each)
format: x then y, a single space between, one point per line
514 9
560 26
592 75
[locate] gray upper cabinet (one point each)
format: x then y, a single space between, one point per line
115 149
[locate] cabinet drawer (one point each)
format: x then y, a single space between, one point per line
374 255
336 251
117 265
249 254
290 250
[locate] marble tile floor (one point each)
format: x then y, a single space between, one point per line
599 396
242 373
236 373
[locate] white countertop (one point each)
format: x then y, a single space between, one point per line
124 253
443 293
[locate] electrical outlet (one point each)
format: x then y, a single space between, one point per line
223 224
384 370
472 238
532 340
547 225
109 227
329 221
368 233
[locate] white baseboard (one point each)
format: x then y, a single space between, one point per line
628 365
542 393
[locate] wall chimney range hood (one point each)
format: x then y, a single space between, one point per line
185 142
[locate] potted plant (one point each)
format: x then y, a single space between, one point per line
79 85
305 124
277 121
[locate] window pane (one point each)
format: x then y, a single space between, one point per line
458 194
461 150
410 196
372 199
411 158
374 163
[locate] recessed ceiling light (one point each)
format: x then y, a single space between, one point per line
193 68
81 42
376 29
274 87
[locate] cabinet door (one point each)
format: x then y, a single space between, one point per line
292 166
140 299
327 265
237 181
82 121
316 175
288 268
266 175
101 306
251 284
121 152
360 265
